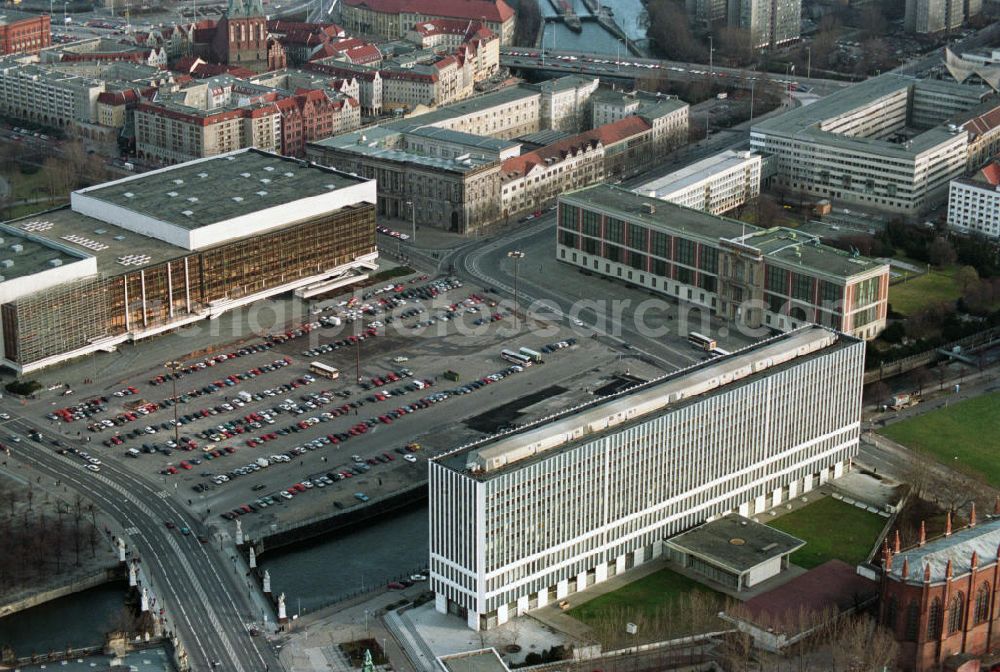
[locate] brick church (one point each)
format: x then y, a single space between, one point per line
939 599
241 39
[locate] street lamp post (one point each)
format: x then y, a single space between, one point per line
172 366
516 255
809 62
413 221
711 55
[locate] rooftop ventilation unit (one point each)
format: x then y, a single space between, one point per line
7 263
172 194
244 174
17 248
269 169
331 187
178 181
289 174
119 237
262 193
100 232
265 180
238 199
188 213
202 175
55 263
230 158
192 199
129 194
649 208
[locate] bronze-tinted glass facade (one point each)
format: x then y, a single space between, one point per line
74 315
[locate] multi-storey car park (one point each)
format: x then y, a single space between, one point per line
777 278
884 143
146 254
522 519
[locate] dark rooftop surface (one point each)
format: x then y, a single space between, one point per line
735 542
200 193
834 584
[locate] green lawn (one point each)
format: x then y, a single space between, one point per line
967 430
645 596
831 529
921 291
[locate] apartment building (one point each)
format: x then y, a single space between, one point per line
982 123
522 520
775 277
223 114
861 145
716 185
23 33
391 19
47 96
974 203
937 16
770 23
532 180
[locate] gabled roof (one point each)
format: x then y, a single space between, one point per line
517 167
616 131
990 174
476 10
954 551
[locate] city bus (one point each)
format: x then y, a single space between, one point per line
531 354
515 358
321 369
701 341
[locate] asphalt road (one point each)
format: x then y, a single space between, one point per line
206 601
631 67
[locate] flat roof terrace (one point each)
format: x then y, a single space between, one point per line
498 454
115 249
207 191
23 251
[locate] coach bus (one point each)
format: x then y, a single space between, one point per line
701 341
515 358
321 369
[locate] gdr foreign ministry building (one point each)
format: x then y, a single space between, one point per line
522 519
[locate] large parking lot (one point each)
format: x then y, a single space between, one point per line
264 434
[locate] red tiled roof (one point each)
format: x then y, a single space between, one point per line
366 53
991 173
619 130
984 122
488 10
518 166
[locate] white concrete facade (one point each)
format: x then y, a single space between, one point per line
568 517
716 184
974 208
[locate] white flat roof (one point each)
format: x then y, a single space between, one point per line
696 172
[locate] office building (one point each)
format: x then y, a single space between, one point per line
939 599
770 23
974 203
885 143
705 13
776 278
146 254
523 519
717 184
23 33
